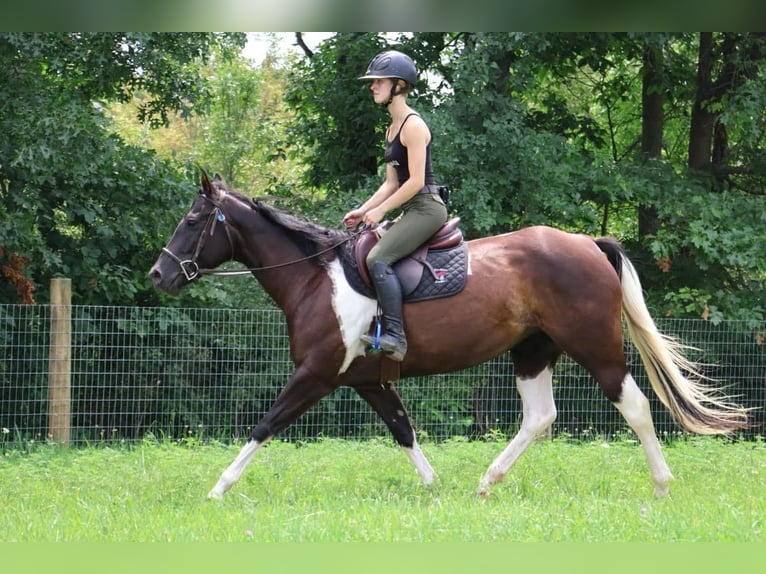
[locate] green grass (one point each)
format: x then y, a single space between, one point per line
336 490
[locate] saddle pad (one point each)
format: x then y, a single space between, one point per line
452 267
450 264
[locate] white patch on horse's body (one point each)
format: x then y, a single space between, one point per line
354 312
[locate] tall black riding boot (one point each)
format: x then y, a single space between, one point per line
389 294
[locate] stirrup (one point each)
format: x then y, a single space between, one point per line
390 346
372 345
373 341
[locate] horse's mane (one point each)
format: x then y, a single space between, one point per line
312 239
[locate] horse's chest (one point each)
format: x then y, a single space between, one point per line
354 313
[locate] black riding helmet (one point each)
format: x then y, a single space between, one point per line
392 64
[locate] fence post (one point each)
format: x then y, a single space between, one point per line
59 362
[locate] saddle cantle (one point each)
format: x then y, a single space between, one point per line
438 268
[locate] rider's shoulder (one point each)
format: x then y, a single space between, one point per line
415 125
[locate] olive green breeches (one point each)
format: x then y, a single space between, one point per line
422 216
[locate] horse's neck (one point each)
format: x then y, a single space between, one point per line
278 263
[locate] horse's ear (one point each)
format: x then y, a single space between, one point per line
217 177
205 186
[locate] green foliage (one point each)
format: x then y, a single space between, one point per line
79 201
337 128
528 128
708 251
242 136
546 128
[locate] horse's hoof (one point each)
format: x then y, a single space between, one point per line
482 493
662 492
216 494
662 486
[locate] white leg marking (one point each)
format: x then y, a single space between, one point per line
232 473
354 312
539 412
635 408
418 459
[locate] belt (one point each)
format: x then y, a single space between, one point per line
429 188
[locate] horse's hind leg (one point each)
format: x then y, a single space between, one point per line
539 412
634 406
603 356
388 404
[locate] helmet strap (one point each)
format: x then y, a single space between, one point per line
394 92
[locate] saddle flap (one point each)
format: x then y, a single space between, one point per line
410 269
366 240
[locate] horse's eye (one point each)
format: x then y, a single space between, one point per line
191 222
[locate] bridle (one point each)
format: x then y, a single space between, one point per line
192 270
189 267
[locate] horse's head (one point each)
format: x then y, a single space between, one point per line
201 240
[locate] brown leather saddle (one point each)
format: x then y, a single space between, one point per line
410 269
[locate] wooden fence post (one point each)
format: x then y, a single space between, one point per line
60 362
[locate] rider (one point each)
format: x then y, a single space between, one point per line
409 184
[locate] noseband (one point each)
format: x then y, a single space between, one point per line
189 267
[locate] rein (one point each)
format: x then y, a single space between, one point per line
191 270
246 270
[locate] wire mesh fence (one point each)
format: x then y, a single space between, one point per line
212 373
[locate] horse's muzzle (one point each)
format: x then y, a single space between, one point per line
167 281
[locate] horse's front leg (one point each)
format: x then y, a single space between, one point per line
388 404
231 475
300 393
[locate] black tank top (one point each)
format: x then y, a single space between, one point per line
396 155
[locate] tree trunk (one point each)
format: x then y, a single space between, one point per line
652 118
702 120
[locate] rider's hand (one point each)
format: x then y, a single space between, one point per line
373 216
353 218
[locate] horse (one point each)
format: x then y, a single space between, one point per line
537 292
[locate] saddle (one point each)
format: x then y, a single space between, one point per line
442 253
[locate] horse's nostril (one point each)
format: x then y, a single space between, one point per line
155 274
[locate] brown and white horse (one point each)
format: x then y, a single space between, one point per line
538 292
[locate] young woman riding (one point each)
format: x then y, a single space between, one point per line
409 184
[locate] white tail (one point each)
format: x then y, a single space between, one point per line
696 404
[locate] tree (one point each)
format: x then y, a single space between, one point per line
242 136
588 132
337 129
704 242
79 202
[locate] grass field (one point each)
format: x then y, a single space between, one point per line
336 490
